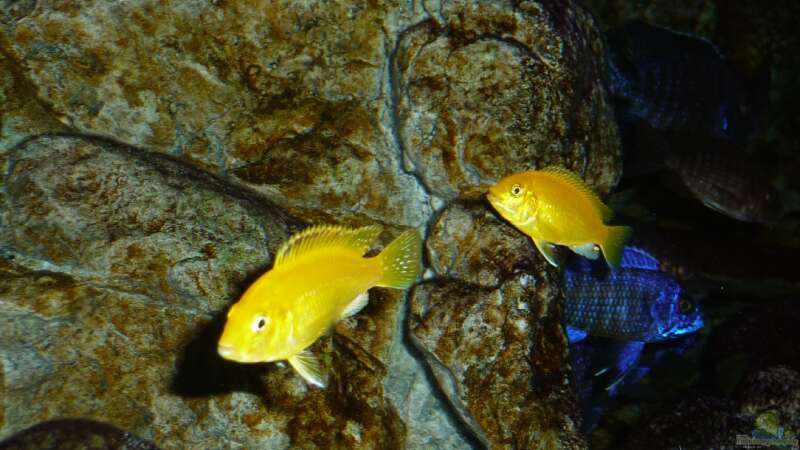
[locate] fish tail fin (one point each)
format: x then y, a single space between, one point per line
401 261
614 244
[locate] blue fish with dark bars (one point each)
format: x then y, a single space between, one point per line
635 303
675 81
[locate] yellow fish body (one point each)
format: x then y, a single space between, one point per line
554 206
320 276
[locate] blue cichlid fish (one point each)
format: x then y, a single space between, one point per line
635 303
320 276
675 81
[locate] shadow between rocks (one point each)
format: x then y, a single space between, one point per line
201 372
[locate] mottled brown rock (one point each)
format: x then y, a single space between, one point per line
22 111
291 99
486 89
116 269
776 390
136 221
499 356
470 243
74 434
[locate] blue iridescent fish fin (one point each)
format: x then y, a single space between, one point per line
575 334
547 250
627 359
637 258
579 264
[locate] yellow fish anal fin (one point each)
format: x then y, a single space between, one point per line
576 182
590 250
356 305
326 236
546 249
308 366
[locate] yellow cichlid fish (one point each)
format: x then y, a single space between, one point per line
554 206
320 276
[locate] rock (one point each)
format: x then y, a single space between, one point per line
469 243
288 99
484 90
117 267
777 390
499 355
238 90
699 422
745 344
136 221
74 434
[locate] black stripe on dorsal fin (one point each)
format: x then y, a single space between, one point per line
327 236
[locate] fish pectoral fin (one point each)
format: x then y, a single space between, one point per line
356 305
575 334
625 359
308 366
547 250
590 250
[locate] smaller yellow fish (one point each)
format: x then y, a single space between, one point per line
554 206
320 276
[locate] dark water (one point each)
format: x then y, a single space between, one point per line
711 183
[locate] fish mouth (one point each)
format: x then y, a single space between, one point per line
499 206
227 352
493 199
231 354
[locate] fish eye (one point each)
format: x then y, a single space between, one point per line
259 323
685 306
516 190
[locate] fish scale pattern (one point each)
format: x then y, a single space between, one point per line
618 305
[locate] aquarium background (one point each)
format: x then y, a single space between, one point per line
155 155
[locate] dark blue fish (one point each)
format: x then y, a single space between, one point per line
603 367
675 81
599 368
639 258
634 303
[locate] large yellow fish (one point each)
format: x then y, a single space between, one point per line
554 206
320 276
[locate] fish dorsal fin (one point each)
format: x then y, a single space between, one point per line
575 181
637 258
327 236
